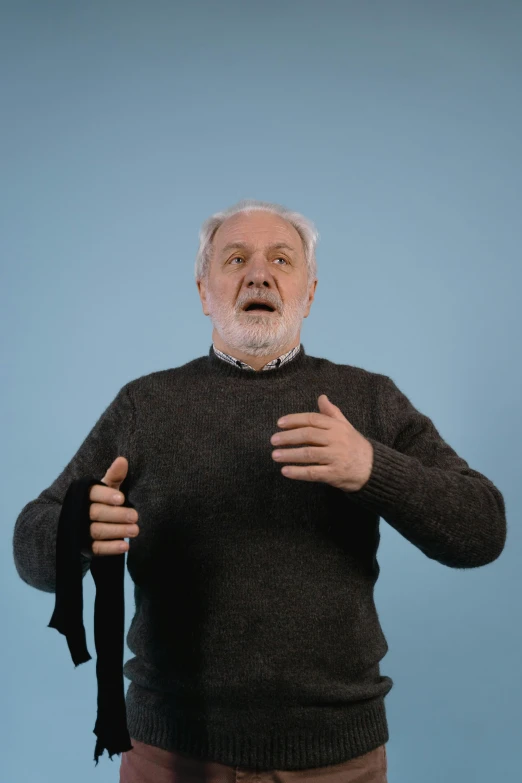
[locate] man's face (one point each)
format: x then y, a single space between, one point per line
259 255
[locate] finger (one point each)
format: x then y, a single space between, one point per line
307 473
105 548
302 435
101 531
100 512
309 419
315 455
107 495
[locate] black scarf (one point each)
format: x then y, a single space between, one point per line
108 573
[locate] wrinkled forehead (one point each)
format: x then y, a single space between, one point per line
258 230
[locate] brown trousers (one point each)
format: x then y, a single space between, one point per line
148 764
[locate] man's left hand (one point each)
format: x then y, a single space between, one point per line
339 454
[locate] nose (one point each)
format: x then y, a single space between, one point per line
259 278
258 272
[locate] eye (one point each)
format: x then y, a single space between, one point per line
280 258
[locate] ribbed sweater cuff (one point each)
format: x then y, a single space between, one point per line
394 482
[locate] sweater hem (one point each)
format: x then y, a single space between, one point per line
314 737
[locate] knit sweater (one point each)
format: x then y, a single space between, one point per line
255 637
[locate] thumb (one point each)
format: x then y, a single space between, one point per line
329 409
117 473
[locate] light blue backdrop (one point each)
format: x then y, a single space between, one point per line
396 127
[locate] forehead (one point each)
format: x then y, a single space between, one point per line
258 229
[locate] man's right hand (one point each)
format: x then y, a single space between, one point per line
111 522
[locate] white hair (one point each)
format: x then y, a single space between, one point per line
305 228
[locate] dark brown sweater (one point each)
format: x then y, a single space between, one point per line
255 636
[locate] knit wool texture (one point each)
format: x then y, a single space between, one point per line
255 636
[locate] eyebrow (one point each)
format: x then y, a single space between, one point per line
246 246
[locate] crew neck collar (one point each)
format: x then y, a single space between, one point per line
228 370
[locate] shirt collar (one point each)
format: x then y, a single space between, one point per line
272 365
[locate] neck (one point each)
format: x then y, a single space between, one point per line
257 362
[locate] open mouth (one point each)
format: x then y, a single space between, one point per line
257 307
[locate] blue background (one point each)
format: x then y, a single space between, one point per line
396 127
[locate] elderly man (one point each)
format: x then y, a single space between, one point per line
258 475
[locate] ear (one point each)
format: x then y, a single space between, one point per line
311 295
202 290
